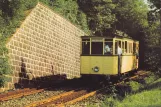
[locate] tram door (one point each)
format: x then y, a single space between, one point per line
118 43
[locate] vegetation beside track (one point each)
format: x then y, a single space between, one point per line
137 93
95 17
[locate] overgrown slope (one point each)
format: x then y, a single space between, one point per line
96 17
149 96
13 12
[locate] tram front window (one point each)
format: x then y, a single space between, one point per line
97 48
86 48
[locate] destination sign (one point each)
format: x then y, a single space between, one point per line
97 40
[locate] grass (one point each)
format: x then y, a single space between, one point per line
145 95
148 98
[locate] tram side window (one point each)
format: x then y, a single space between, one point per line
108 48
125 47
130 47
134 48
86 48
117 43
97 48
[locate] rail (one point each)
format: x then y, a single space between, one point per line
73 96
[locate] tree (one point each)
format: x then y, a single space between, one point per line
70 10
155 4
99 14
131 14
156 13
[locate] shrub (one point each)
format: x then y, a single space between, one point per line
135 86
109 102
151 78
4 66
153 58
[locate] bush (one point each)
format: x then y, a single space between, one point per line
109 102
4 66
153 58
135 86
151 78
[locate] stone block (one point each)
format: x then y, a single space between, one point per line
47 44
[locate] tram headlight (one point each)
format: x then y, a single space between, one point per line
96 69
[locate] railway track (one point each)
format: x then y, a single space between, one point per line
63 99
74 96
19 93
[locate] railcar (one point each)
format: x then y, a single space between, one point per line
94 60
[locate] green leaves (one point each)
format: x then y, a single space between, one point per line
70 10
99 14
4 66
131 14
155 4
96 17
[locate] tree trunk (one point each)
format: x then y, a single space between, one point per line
160 22
160 30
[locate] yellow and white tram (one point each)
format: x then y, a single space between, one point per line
95 60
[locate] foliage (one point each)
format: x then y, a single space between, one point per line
152 58
131 14
11 13
93 16
153 34
70 10
155 4
149 96
152 39
134 86
151 78
109 102
99 14
153 50
4 66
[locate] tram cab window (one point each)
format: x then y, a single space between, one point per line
86 46
97 48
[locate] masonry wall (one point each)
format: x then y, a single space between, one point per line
46 44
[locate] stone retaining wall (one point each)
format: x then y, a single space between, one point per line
46 44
